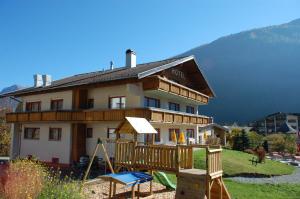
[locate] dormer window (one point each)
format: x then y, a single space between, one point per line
57 104
33 106
117 102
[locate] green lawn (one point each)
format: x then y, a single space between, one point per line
236 162
262 191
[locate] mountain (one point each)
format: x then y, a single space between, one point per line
8 103
253 73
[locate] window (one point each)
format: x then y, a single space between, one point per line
190 133
148 138
90 103
190 109
57 104
157 136
33 106
32 133
55 134
174 106
151 102
171 131
111 133
117 102
89 133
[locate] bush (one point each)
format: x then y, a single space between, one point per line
4 138
29 179
55 188
254 139
24 179
282 143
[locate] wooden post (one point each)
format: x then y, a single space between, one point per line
207 175
110 186
177 158
132 192
151 162
91 162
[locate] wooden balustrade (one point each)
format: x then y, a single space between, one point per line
214 162
154 157
153 115
158 83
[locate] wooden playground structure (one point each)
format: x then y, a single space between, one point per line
178 159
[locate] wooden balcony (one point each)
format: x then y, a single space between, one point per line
152 114
158 83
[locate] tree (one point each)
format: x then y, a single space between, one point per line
290 144
266 145
276 142
254 139
240 141
4 138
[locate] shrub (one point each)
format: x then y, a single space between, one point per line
254 139
4 138
56 188
29 179
282 143
240 141
24 179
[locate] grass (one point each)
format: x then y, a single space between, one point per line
262 191
236 162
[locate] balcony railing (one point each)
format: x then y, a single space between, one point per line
159 83
151 114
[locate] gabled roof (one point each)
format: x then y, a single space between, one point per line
140 71
137 125
214 125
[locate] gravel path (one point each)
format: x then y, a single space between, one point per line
293 178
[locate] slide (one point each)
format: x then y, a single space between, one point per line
164 180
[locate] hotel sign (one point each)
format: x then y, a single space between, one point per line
177 73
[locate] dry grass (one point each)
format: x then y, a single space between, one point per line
24 179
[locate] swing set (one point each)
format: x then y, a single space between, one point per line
134 156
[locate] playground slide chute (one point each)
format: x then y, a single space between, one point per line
164 180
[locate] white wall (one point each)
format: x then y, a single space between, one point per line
47 97
132 92
44 149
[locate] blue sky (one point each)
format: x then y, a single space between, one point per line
63 38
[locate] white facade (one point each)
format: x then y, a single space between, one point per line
45 150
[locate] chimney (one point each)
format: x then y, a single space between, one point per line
111 65
130 58
38 81
47 80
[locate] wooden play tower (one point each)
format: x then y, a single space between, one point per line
191 183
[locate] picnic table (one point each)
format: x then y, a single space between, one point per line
129 179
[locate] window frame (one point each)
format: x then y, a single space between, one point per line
90 103
33 136
157 135
188 134
87 135
191 108
177 131
108 133
58 136
120 102
28 106
56 101
177 106
147 102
